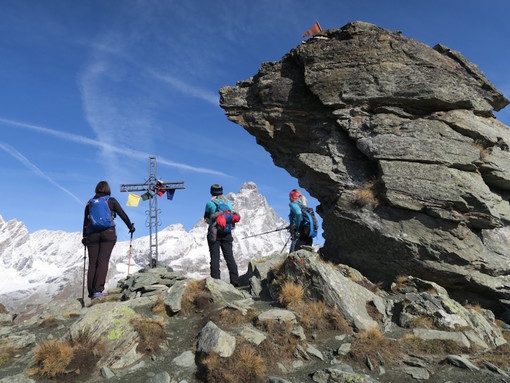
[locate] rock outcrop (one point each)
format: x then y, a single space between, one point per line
398 142
342 329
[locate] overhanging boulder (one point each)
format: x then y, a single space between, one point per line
398 142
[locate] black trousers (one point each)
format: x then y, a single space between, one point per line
100 246
223 241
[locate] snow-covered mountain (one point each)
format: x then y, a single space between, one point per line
36 268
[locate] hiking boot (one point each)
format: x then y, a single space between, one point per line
99 294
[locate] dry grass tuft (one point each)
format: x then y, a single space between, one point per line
416 345
484 152
500 356
7 354
280 344
159 307
230 316
152 334
49 322
195 296
79 353
51 359
475 307
245 365
373 312
3 310
367 195
421 322
373 344
291 294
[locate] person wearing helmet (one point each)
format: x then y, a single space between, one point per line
297 201
221 219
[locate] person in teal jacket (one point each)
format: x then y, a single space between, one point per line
295 217
217 239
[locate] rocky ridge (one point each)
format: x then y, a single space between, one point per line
207 326
398 142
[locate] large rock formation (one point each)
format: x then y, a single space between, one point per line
398 142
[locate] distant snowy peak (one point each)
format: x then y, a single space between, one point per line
39 266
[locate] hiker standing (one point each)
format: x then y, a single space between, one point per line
99 235
297 201
218 213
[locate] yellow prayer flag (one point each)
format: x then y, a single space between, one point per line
133 200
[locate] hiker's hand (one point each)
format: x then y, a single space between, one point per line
292 228
132 229
84 241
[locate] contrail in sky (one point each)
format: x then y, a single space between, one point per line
25 161
111 148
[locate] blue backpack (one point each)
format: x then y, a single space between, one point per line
222 206
308 227
100 216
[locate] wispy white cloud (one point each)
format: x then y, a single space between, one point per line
188 89
119 150
26 162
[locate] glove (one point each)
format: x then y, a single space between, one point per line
221 221
236 217
132 228
84 241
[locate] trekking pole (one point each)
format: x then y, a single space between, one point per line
284 246
130 246
267 232
83 286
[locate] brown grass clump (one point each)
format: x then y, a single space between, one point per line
3 310
230 316
152 334
51 359
421 322
367 195
291 294
416 345
195 296
500 356
280 343
159 307
484 152
49 322
400 282
7 354
373 344
475 307
318 315
245 365
79 353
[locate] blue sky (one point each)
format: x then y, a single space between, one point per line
90 89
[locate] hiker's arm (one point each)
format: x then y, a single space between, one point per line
295 212
120 212
85 220
210 209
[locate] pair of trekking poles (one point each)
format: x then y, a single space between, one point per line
85 265
273 231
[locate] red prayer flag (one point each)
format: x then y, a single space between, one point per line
313 30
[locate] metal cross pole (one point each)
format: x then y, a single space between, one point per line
151 187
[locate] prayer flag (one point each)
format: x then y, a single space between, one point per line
170 193
145 196
160 192
313 30
133 200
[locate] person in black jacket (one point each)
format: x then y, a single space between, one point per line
100 242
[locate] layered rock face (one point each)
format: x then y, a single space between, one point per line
398 142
